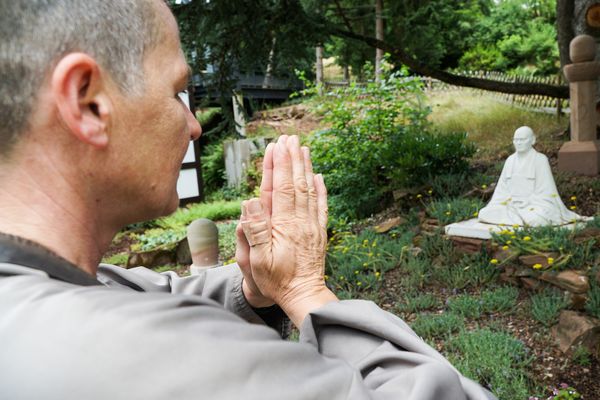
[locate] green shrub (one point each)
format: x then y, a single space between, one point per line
418 269
356 263
227 241
430 326
495 359
582 356
116 259
379 140
465 306
455 185
437 246
499 300
454 210
469 271
419 302
213 167
158 238
592 306
546 306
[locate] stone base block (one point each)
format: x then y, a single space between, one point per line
581 158
472 228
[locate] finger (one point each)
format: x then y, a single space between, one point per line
256 226
242 250
322 210
312 194
283 185
266 185
299 177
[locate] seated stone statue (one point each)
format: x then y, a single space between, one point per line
526 194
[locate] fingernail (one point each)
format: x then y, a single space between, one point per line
254 207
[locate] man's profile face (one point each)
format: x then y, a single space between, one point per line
156 127
523 141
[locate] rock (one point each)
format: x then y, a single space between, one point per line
430 225
532 259
182 253
575 329
571 280
399 194
521 271
503 255
530 283
469 245
153 258
588 233
508 275
389 224
576 301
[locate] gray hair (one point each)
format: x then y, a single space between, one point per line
35 34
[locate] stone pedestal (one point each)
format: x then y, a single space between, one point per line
582 158
203 239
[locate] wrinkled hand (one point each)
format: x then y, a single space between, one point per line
286 231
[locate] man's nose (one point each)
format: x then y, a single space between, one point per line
193 126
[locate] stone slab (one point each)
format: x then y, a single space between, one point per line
472 228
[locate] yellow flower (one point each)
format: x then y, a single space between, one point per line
393 235
484 186
475 214
508 242
550 260
342 278
504 247
370 254
326 277
377 274
527 238
419 196
429 191
573 198
502 224
365 264
515 226
573 207
375 243
513 237
358 283
448 213
355 272
537 266
493 261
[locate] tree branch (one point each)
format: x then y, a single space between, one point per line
399 56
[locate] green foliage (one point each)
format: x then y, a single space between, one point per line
116 259
418 269
582 356
213 167
356 263
592 306
496 359
548 239
158 238
430 326
418 302
454 210
546 306
437 247
449 186
469 271
503 299
379 140
465 306
216 211
227 241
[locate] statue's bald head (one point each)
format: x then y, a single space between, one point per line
36 34
523 139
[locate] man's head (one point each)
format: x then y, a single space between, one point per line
90 89
524 139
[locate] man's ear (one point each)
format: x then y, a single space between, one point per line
81 98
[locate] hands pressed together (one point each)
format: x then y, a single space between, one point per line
282 236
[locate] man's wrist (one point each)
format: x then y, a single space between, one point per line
299 306
255 301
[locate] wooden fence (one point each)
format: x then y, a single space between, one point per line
536 102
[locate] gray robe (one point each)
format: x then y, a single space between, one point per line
197 338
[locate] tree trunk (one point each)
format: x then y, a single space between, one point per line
564 28
346 71
319 67
379 36
270 66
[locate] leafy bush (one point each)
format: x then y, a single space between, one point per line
380 139
592 306
496 359
471 270
430 326
227 241
116 259
499 300
158 238
466 306
454 210
418 271
546 306
213 167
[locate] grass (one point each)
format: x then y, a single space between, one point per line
431 326
216 211
419 302
496 359
227 241
116 259
546 306
592 306
469 271
488 122
466 306
503 299
448 211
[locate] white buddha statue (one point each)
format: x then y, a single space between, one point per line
526 194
